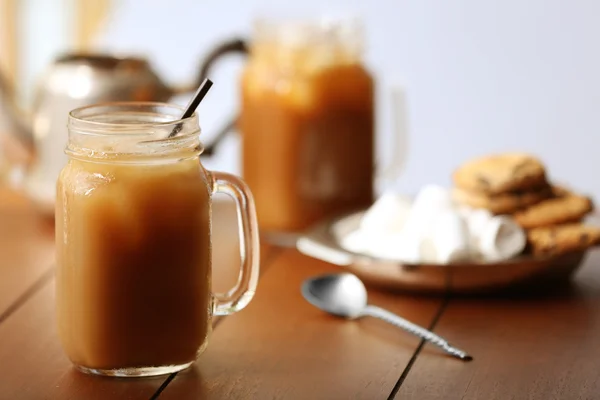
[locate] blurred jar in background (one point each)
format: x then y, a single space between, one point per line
307 123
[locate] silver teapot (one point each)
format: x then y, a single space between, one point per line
76 80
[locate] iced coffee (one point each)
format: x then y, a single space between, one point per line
133 234
307 124
134 279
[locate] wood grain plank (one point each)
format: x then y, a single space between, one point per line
26 248
32 364
530 347
281 347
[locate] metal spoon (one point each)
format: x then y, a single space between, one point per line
345 295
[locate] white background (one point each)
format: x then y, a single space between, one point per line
479 75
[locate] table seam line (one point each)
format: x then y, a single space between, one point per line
440 311
26 295
273 254
437 316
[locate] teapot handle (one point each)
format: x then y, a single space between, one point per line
237 45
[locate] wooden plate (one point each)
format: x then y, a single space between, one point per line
521 273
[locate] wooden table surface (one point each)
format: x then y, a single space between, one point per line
280 347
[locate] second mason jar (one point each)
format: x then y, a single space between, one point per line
307 123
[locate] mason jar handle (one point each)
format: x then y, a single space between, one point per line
389 173
245 287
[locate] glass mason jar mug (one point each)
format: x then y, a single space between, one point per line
307 123
133 233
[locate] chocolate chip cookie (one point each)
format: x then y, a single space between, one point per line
561 239
554 211
505 203
501 173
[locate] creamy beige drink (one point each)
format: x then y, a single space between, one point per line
307 124
133 285
133 235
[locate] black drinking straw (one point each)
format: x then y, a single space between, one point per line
193 104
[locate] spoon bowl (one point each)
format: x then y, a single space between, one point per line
343 295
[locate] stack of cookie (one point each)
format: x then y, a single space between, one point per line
516 184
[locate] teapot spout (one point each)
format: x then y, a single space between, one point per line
13 117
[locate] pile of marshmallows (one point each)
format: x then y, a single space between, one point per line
434 229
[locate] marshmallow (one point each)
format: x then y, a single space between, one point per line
476 220
397 247
450 238
431 201
356 241
427 251
501 238
387 214
391 246
379 230
433 229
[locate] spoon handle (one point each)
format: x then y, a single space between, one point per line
415 329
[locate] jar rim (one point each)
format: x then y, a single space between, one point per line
305 44
132 129
77 115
